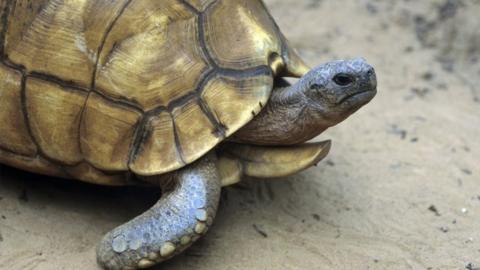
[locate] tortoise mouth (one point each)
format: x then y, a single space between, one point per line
363 96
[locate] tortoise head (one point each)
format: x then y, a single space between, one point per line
337 89
322 98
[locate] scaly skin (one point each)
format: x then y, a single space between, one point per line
177 220
322 98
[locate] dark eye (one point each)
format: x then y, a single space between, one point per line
343 79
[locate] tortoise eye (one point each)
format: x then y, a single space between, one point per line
343 79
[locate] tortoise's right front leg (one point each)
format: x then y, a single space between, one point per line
170 226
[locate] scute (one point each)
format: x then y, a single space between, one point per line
235 101
87 173
158 144
106 133
60 38
295 66
35 164
196 133
54 114
152 54
14 131
240 34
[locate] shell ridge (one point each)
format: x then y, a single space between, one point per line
138 137
178 146
189 6
40 152
94 73
4 25
104 38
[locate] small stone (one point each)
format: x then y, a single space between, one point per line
260 231
471 266
200 227
464 210
427 76
119 244
434 210
167 249
201 214
185 240
145 263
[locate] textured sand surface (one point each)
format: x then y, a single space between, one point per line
399 190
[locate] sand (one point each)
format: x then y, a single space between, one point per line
399 190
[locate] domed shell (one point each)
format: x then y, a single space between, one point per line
130 85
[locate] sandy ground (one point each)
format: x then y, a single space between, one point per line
399 190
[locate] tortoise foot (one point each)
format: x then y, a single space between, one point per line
170 226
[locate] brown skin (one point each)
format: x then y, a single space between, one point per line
322 98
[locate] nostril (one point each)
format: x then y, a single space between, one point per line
343 79
370 72
371 77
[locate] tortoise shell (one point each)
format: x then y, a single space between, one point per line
99 89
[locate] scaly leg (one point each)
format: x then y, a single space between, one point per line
170 226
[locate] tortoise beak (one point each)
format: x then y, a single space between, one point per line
362 85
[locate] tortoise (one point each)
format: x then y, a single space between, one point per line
183 95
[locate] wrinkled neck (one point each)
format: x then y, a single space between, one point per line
286 119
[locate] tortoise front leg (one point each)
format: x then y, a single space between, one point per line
170 226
